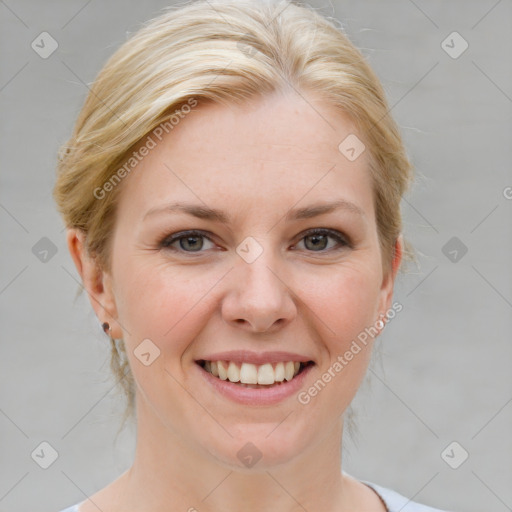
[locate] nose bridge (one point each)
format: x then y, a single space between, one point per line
257 271
260 277
258 294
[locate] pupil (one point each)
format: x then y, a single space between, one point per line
317 241
190 240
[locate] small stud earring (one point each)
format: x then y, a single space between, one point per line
106 328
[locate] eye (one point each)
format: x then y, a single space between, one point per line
317 240
189 241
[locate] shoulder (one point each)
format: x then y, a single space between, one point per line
395 502
74 508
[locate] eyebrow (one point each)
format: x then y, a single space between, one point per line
204 212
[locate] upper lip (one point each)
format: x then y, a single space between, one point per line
247 356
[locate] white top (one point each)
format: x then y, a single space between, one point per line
393 501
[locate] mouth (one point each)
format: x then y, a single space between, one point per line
259 376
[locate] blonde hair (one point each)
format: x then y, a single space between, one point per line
224 51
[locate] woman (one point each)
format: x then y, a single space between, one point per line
232 199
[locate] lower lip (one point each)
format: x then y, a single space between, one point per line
256 396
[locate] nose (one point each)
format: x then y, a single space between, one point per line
258 299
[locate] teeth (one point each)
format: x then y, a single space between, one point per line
233 372
248 373
289 369
279 371
223 373
265 374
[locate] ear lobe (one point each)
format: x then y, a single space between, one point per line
96 281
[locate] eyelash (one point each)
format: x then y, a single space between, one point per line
166 242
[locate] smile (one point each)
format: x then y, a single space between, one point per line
254 375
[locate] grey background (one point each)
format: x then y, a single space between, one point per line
445 363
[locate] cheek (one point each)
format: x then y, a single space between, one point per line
345 301
166 308
345 306
162 304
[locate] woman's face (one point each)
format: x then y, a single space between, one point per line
253 282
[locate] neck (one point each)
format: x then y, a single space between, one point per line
168 472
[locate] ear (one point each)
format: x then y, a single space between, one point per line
388 282
97 282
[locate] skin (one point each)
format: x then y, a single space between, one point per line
255 162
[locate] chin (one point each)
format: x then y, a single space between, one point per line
257 447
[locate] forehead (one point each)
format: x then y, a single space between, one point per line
278 148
